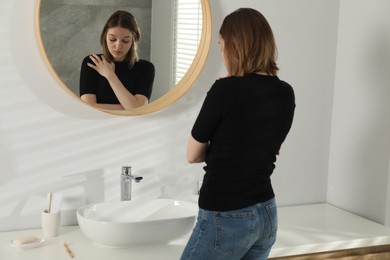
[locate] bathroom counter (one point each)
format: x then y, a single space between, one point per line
302 230
323 228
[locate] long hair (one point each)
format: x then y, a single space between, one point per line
125 20
249 43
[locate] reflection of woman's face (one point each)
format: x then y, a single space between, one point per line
119 41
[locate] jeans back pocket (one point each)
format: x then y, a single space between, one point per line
235 231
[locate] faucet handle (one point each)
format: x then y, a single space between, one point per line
198 187
126 170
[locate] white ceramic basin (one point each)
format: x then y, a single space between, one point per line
126 223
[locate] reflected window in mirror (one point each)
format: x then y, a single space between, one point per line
188 31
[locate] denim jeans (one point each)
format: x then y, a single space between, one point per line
247 233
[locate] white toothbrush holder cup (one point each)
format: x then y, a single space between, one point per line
50 223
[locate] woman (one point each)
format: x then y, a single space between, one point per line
117 79
240 128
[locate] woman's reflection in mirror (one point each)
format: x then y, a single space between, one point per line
117 79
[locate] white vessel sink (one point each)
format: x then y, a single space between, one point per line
127 223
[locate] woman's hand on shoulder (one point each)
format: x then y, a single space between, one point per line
102 65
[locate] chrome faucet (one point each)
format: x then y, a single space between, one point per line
126 180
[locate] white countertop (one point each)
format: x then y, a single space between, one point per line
322 227
302 230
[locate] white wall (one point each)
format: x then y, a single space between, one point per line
360 143
42 149
306 34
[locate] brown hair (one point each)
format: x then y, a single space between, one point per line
249 43
125 20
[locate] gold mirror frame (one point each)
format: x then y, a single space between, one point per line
172 95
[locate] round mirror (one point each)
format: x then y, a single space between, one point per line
175 37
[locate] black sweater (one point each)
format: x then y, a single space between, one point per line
137 80
245 119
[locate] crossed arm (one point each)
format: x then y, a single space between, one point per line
196 151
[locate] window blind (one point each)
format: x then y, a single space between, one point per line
188 31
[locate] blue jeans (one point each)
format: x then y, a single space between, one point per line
247 233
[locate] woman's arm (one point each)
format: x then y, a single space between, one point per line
107 70
196 151
90 99
126 99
